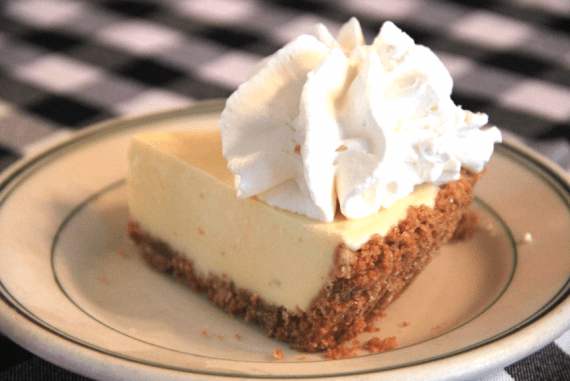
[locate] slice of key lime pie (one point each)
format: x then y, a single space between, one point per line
338 171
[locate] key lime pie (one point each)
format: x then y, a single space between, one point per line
338 171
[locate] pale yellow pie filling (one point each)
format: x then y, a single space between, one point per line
181 192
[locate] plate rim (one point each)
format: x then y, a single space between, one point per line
92 363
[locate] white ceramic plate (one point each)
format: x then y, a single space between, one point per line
74 291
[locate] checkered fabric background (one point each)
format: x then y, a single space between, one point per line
65 65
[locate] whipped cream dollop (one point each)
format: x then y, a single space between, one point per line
325 121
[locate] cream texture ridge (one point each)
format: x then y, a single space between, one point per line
327 121
181 191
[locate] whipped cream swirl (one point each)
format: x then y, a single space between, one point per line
325 121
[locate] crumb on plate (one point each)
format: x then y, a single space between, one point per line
376 344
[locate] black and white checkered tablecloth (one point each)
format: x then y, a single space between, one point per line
66 64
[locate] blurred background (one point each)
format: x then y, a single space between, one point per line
66 64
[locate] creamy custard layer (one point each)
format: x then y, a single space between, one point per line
181 192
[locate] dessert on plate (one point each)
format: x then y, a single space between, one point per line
338 171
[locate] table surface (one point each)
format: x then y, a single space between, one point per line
65 65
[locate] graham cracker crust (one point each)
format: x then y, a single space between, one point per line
362 284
